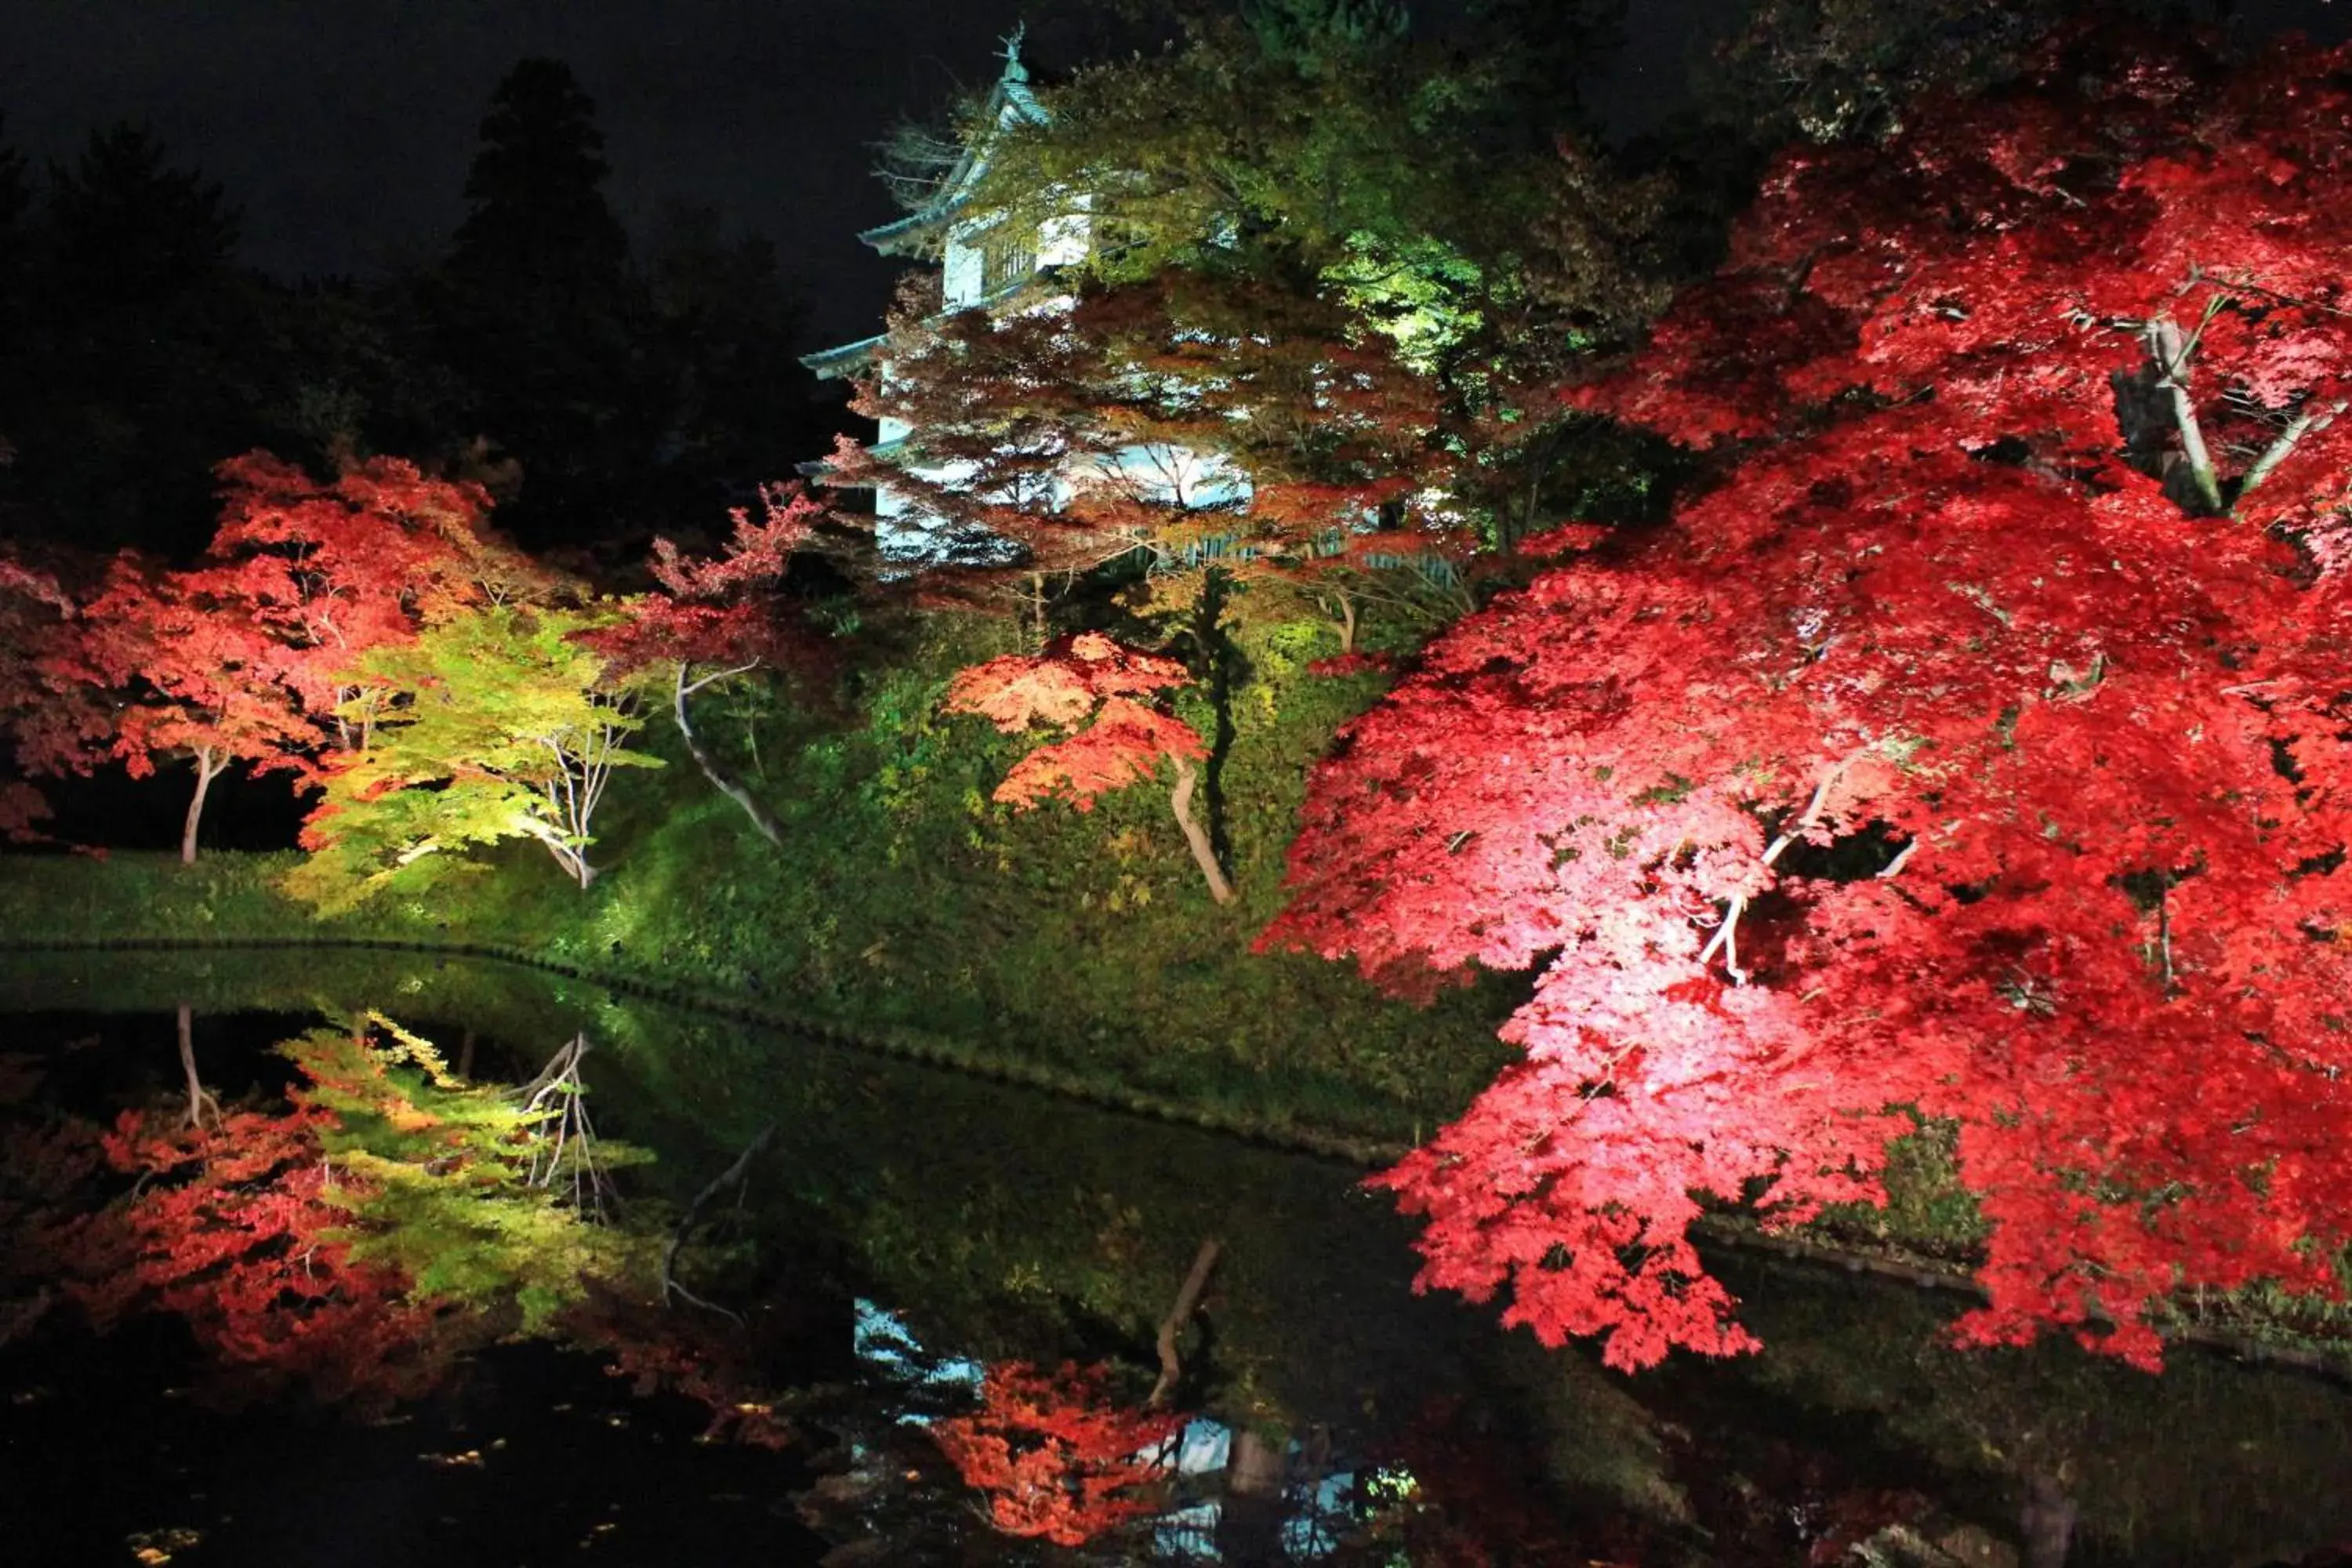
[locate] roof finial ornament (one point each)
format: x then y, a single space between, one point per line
1013 69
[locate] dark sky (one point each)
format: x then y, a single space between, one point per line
342 128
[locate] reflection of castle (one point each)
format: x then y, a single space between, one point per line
992 264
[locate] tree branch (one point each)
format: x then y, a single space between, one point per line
2171 356
1725 938
725 782
2302 425
1188 1301
734 1175
1196 838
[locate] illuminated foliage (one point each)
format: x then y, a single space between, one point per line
329 571
233 1226
1972 744
1089 677
1317 279
715 621
460 1190
358 1244
503 726
249 655
194 676
1057 1457
55 724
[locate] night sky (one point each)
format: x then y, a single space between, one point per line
342 128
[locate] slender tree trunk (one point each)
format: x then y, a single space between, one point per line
1172 1327
1347 623
1037 609
210 764
199 1099
1195 835
1217 647
712 769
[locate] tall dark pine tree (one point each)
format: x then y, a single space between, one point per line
15 201
738 410
131 230
536 212
540 313
136 369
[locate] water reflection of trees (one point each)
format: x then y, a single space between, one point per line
1325 1414
359 1236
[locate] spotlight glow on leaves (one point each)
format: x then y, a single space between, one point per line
1974 743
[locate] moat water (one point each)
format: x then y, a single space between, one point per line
903 1231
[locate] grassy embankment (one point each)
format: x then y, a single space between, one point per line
1078 952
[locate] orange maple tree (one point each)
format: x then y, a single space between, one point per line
1972 746
1100 689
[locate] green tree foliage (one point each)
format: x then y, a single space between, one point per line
1308 183
507 730
1841 70
459 1188
1315 35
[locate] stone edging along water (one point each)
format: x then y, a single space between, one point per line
936 1051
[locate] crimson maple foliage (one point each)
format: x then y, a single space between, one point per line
54 724
327 571
197 677
249 655
1082 676
1973 741
1057 1457
229 1230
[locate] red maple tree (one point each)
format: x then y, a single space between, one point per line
1973 743
195 676
327 570
1085 678
54 724
1057 1457
249 653
716 619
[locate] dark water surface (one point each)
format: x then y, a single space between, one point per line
905 1231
